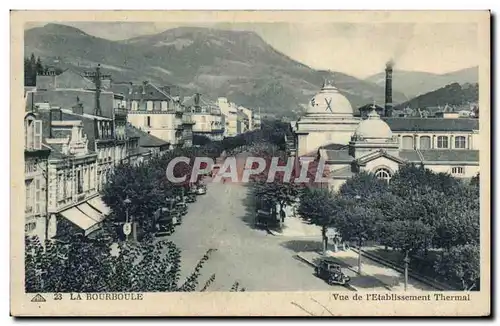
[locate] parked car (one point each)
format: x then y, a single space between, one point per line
331 272
201 190
191 198
181 208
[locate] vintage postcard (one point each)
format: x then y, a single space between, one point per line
250 163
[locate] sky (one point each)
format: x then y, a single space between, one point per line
359 49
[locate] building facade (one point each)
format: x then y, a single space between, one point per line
230 113
36 156
349 144
152 109
206 116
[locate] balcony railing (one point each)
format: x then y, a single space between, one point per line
121 112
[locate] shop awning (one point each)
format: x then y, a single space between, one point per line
98 204
91 212
77 217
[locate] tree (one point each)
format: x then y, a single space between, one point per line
408 236
93 266
363 186
356 222
462 264
318 206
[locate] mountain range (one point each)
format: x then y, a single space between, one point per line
238 65
453 94
414 83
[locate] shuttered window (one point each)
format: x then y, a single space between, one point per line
460 142
38 135
407 142
425 142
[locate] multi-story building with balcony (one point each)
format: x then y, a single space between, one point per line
230 113
36 156
249 115
73 171
207 117
151 108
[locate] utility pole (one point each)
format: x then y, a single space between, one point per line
97 81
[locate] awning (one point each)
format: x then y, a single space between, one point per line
91 212
98 204
77 217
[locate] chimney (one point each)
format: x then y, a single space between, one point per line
388 88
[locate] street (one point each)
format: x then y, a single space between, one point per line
255 259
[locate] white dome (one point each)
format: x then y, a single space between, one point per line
373 128
329 101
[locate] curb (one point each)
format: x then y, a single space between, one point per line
420 278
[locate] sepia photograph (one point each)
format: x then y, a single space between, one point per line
251 154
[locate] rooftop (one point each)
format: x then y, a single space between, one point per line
432 124
145 139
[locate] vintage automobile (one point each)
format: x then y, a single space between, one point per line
164 221
201 189
190 198
331 272
181 208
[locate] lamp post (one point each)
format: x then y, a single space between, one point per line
127 227
407 262
358 198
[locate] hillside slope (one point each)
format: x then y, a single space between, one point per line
414 83
453 94
235 64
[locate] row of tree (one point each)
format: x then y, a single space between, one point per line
416 212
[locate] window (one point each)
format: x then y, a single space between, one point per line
460 142
29 125
79 180
37 140
148 121
38 196
383 174
407 142
425 142
149 105
457 170
134 105
29 195
442 142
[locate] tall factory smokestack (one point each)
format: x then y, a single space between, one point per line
388 88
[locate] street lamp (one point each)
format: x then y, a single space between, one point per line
407 262
358 198
127 227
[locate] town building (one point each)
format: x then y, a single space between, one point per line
36 155
73 178
71 151
349 144
257 122
249 116
207 117
242 123
230 112
151 108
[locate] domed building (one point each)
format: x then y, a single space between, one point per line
329 119
330 132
